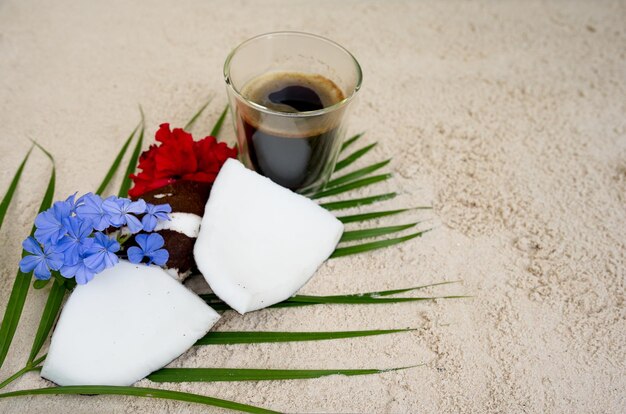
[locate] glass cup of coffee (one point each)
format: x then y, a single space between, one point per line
290 94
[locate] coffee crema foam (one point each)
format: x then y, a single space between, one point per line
268 89
259 90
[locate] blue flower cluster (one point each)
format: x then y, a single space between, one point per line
72 236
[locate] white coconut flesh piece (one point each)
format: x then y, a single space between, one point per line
259 242
129 321
186 223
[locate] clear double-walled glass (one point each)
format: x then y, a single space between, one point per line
296 148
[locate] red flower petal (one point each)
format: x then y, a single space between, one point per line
179 157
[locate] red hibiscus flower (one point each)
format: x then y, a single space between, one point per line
179 157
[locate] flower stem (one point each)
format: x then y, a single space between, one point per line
123 239
33 366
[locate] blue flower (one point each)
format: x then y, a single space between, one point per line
90 208
80 270
41 261
101 255
150 248
77 231
49 223
73 203
121 212
153 214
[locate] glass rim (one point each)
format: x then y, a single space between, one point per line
267 110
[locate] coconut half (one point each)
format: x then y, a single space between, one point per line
259 242
129 321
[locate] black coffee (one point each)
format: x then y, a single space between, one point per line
294 152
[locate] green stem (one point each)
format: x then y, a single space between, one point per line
29 367
123 239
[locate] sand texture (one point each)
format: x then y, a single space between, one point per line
508 117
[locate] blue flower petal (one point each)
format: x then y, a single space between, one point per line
31 246
48 227
136 207
90 208
55 260
72 255
113 206
42 271
135 254
95 261
83 275
154 241
69 271
134 225
28 263
72 202
141 240
110 260
159 257
149 222
61 210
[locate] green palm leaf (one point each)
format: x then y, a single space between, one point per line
246 374
357 202
116 163
50 312
315 300
139 392
354 157
351 141
194 118
370 216
218 125
405 290
132 165
353 185
229 338
376 232
6 200
379 244
32 366
356 174
351 299
213 296
14 308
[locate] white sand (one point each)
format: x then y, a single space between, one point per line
509 118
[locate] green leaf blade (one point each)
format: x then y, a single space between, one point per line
230 338
374 232
247 374
8 196
357 174
334 300
195 117
218 125
353 185
364 298
116 163
140 392
49 315
132 166
351 141
354 157
13 312
375 245
355 218
19 291
357 202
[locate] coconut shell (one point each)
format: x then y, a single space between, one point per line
184 197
